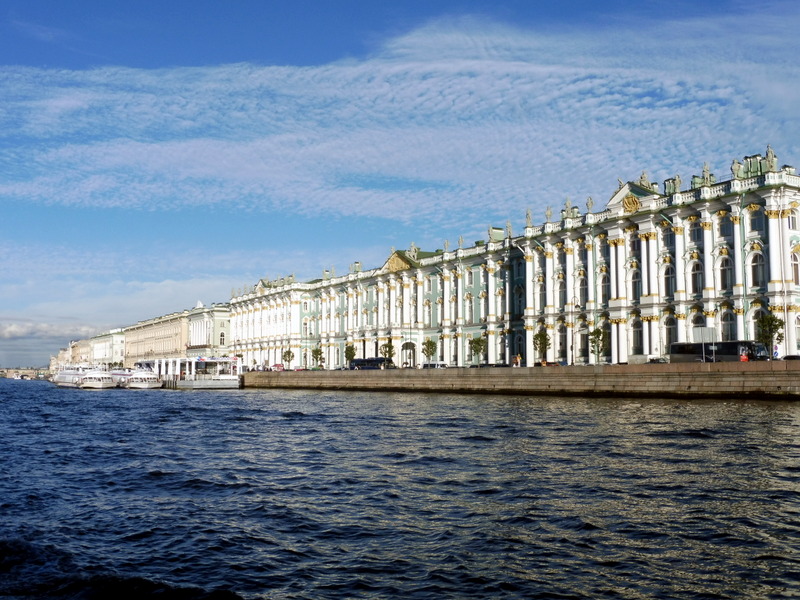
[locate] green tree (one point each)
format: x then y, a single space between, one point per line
477 346
349 353
598 340
429 348
288 357
541 343
387 350
316 355
769 330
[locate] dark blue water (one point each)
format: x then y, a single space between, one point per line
276 494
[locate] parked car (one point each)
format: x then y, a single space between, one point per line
278 367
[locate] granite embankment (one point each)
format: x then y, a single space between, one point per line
773 379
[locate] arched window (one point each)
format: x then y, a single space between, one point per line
726 274
697 278
637 346
562 294
542 297
583 292
562 342
636 247
222 339
757 221
725 227
669 281
605 290
696 233
669 238
520 301
796 268
606 338
756 329
792 219
758 275
671 330
728 326
636 285
698 320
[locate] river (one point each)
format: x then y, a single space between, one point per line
299 494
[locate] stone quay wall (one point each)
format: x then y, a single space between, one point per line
733 380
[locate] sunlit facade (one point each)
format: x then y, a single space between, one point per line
654 266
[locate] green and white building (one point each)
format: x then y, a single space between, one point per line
650 268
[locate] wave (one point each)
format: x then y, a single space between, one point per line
33 571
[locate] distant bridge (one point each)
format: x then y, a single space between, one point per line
12 373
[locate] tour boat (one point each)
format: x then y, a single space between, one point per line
69 376
97 380
143 380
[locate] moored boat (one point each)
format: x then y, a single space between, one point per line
143 380
97 380
69 376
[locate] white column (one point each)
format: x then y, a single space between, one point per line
709 273
680 265
613 268
420 280
549 269
530 358
446 298
406 320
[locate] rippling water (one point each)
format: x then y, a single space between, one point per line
282 494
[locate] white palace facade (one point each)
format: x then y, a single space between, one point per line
648 270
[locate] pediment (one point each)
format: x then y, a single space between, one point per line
631 196
396 262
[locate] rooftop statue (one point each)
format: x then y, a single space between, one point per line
737 169
772 160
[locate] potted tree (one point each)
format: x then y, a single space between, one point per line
349 353
598 341
769 330
387 351
288 357
541 343
316 356
429 349
477 346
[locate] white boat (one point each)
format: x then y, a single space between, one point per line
69 376
143 380
97 380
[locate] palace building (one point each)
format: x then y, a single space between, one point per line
652 267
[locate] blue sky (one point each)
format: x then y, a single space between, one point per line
157 153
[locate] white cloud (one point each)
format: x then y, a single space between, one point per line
456 111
